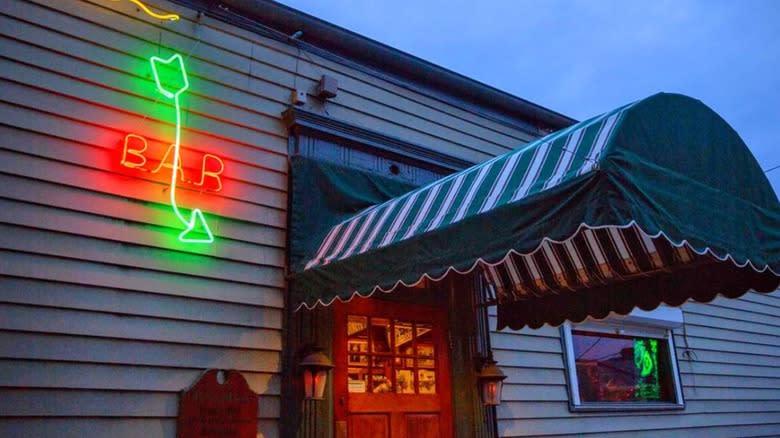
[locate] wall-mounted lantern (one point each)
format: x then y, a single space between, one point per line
491 381
315 374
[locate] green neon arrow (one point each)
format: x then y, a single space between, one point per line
172 90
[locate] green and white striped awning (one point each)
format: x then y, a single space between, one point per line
630 208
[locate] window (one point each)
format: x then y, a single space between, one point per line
390 355
624 362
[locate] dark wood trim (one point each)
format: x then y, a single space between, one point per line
295 118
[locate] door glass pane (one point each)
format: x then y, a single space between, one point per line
425 349
357 380
404 344
356 326
357 353
404 379
427 381
381 375
380 335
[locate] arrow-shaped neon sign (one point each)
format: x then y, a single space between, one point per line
196 219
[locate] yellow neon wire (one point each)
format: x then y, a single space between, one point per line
171 17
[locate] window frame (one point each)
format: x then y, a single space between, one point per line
657 325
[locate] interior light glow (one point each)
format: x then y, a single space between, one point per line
151 13
173 91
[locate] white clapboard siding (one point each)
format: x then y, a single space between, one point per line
727 356
104 318
108 208
79 427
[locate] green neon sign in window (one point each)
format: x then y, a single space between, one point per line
648 386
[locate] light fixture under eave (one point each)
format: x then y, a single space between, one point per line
491 381
315 374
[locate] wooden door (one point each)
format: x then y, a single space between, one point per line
392 376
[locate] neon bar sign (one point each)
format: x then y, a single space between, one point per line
196 221
135 155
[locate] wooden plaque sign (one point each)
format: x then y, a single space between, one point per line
219 405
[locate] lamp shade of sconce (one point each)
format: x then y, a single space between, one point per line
315 374
491 381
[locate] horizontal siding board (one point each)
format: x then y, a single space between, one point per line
700 380
730 346
105 135
83 201
738 304
57 375
92 226
77 348
533 376
722 332
646 423
545 331
100 181
771 300
727 368
738 310
204 105
238 178
31 402
756 394
752 430
728 358
76 297
730 324
105 427
530 410
528 359
35 100
121 51
545 393
533 409
21 239
540 344
102 275
109 325
60 106
223 85
81 427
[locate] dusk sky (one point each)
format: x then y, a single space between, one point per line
582 58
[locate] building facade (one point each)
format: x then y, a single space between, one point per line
124 277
